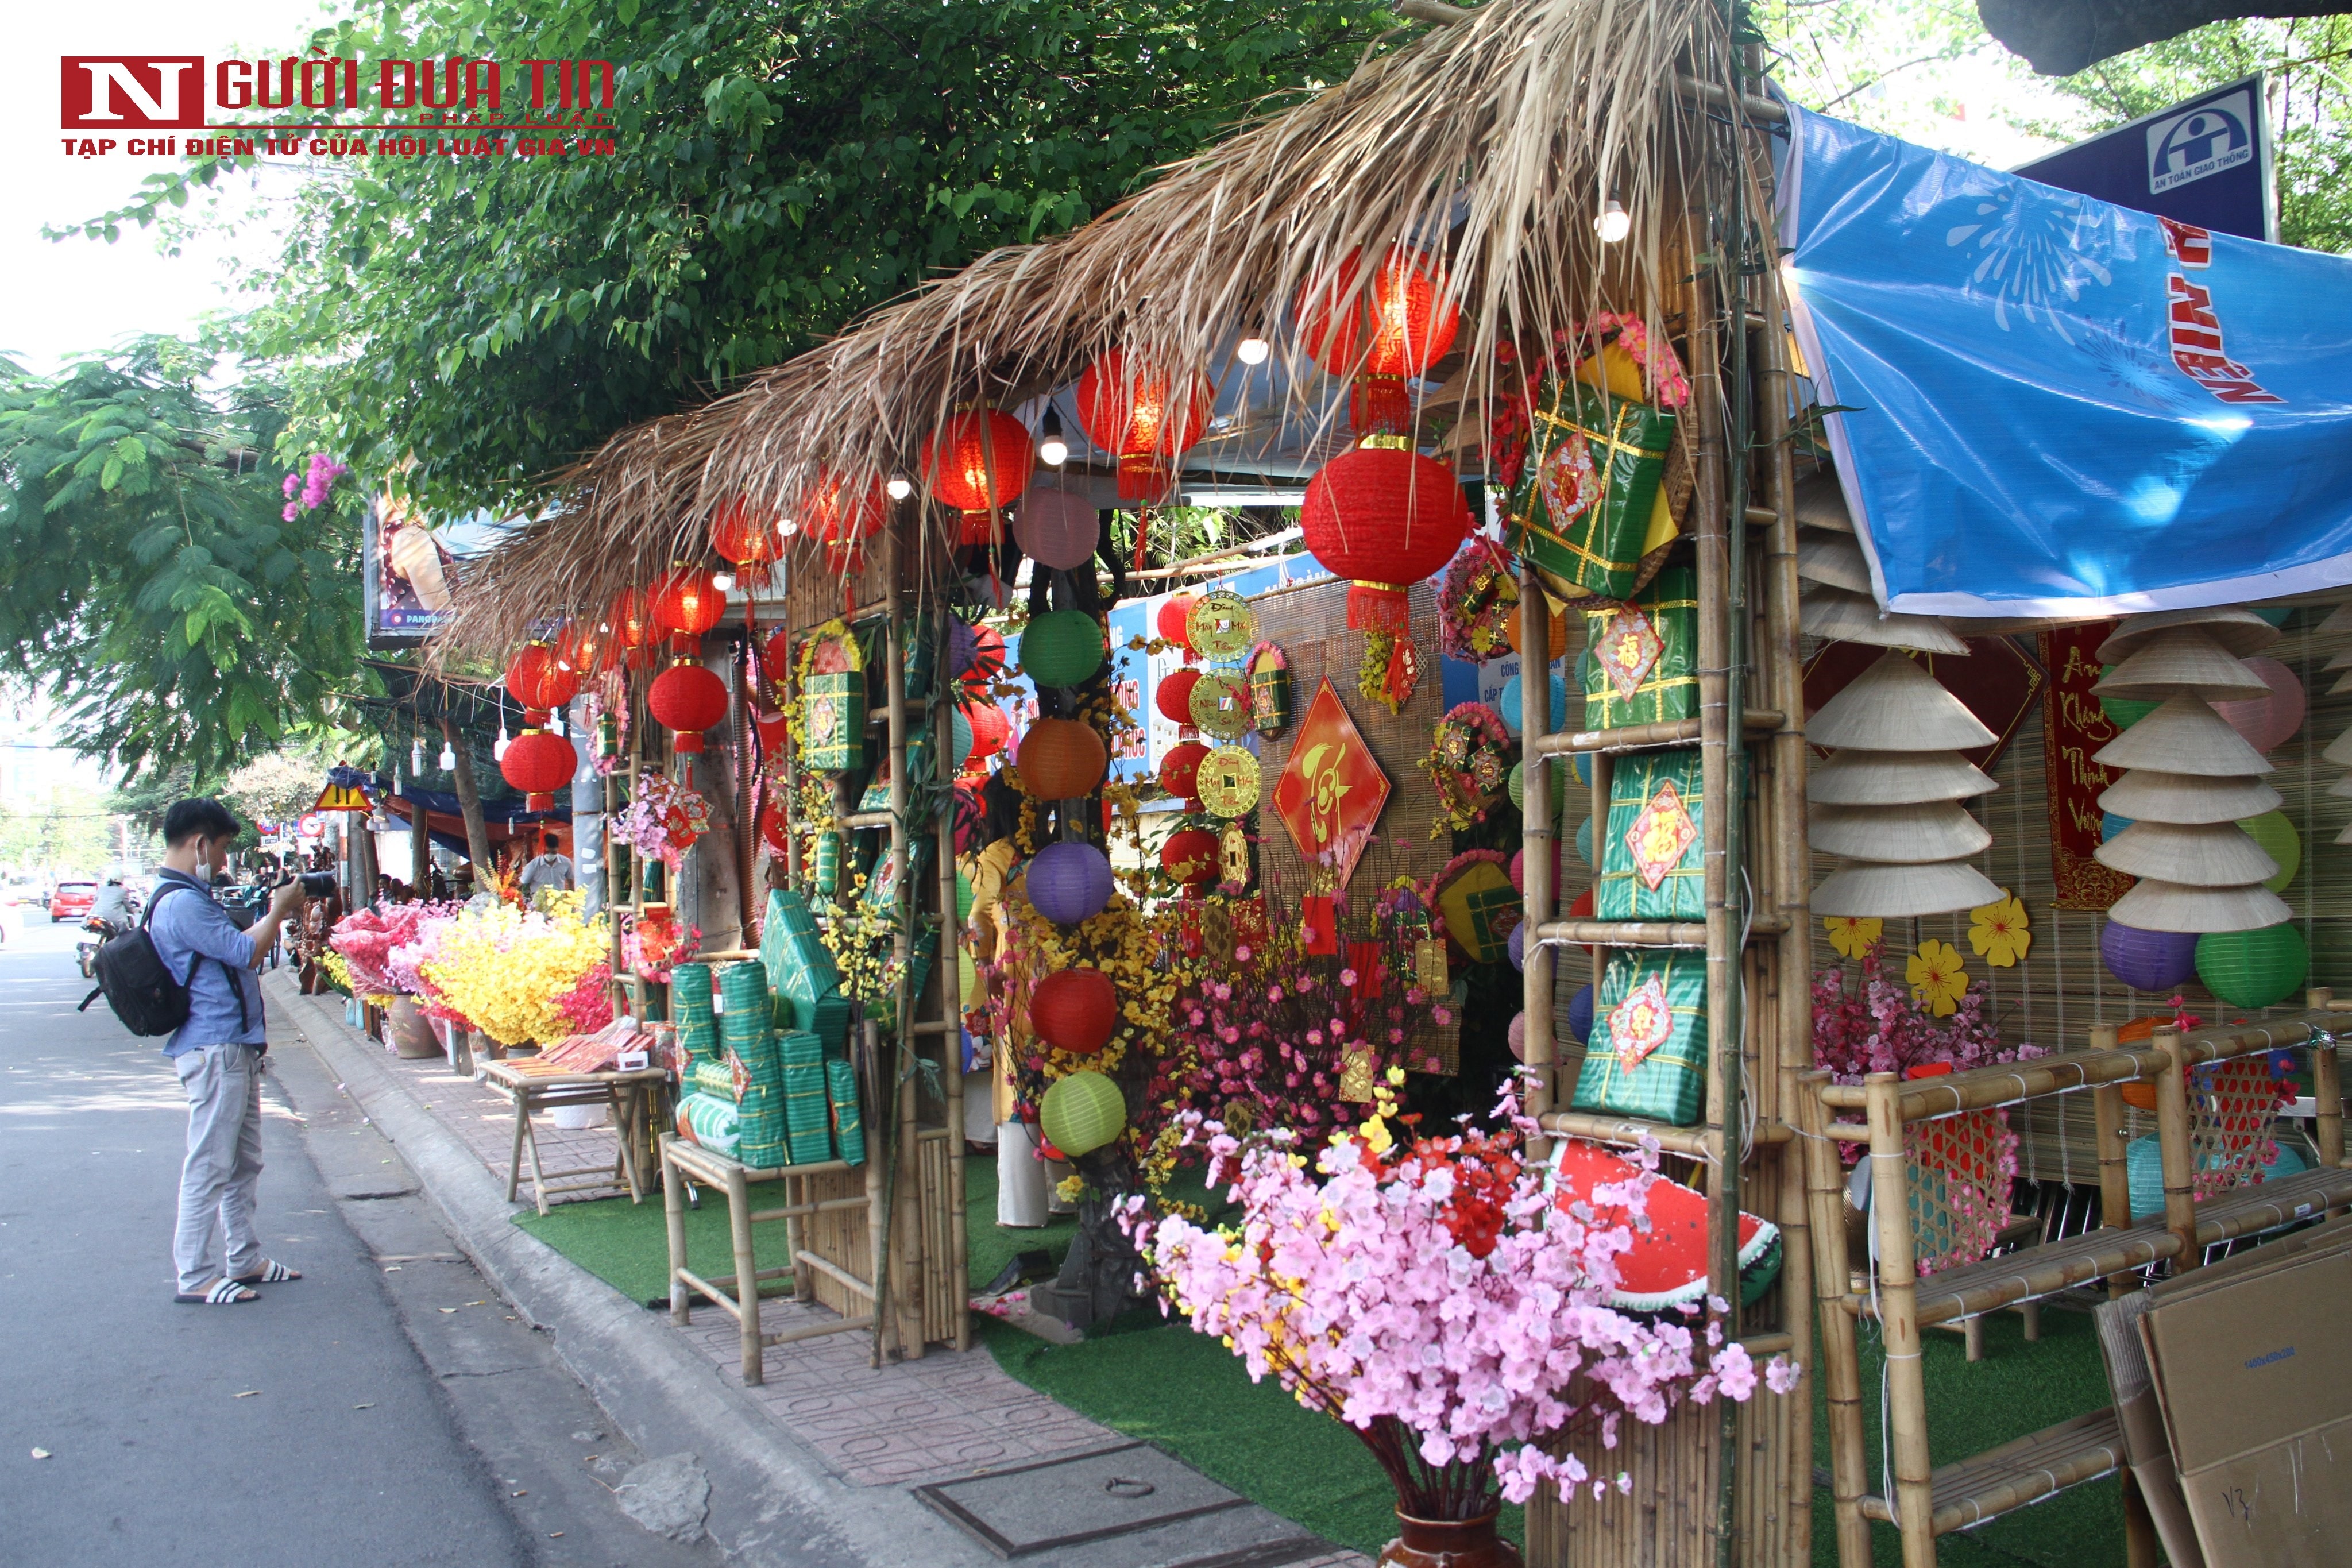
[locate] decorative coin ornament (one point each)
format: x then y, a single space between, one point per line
1233 859
1221 706
1221 626
1228 781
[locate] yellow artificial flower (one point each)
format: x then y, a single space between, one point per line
1851 935
1376 1133
2000 931
1937 976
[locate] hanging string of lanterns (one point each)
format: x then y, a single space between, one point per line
535 762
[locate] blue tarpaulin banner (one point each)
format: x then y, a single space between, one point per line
2061 406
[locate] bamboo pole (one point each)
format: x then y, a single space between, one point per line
905 1306
2326 1090
1898 1320
1538 830
1646 737
959 1273
1840 1360
2107 1134
2172 1131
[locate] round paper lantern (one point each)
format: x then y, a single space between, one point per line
1516 785
745 540
2253 968
1516 1036
969 816
1579 1015
838 513
963 645
1060 759
537 764
2267 721
540 682
687 603
987 657
1583 762
989 728
1517 947
1173 696
585 647
632 620
1174 621
1069 883
1074 1010
1519 866
975 463
1138 414
965 898
1189 856
688 698
2280 842
1584 841
1396 325
1082 1112
960 740
1056 529
1180 769
2148 960
1507 703
1384 518
967 979
2111 827
2122 712
1064 648
1556 635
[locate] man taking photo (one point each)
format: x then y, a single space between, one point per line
217 1053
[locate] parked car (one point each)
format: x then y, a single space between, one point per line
72 901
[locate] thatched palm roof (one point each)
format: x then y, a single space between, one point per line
1491 145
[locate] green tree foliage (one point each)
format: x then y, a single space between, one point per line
152 586
774 172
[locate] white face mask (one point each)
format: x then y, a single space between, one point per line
202 870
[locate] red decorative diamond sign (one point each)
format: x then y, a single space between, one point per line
1660 835
1641 1024
1332 791
1628 650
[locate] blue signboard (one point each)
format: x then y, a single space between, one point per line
2205 161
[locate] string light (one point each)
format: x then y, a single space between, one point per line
724 580
1253 351
447 760
1052 450
900 487
1614 224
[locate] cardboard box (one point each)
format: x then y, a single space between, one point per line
2254 1367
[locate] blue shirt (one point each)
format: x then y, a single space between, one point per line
185 925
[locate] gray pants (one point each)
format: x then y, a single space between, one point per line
223 1163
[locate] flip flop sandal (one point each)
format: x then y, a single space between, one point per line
271 1273
224 1293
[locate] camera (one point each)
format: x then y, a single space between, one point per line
316 884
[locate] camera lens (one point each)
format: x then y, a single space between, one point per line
318 884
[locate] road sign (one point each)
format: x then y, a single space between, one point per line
2205 161
311 826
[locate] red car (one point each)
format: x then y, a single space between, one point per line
72 902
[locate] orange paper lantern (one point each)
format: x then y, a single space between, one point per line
632 620
1136 413
584 647
977 462
1060 759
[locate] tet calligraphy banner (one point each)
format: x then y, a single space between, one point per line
2073 730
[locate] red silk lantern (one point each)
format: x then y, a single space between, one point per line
1173 614
1384 518
1395 325
632 620
688 698
990 730
839 515
537 764
1190 857
745 540
1134 412
1180 769
1173 696
687 603
977 462
1060 759
1074 1010
584 649
540 682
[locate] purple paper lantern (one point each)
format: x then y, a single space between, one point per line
2148 960
1519 945
1517 1035
1580 1015
1069 883
963 646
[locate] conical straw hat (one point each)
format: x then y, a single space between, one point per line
1896 706
2342 684
2186 658
2339 750
1834 614
1892 892
1820 502
1895 778
2242 632
1933 830
2167 906
2209 855
2184 735
2339 619
2341 661
2341 788
1834 559
2345 836
2150 795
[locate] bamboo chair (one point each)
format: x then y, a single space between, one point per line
1927 1503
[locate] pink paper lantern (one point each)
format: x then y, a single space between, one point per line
1056 527
1518 1036
2267 722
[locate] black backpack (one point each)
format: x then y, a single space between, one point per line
144 993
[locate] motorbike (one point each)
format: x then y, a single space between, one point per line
85 951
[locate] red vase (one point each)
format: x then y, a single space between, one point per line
1449 1543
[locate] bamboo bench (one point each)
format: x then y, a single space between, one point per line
1931 1502
533 1085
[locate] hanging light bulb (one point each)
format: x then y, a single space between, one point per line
417 755
498 752
724 580
900 487
786 528
447 760
1253 351
1614 224
1052 450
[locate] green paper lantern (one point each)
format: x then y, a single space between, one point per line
1584 769
1064 648
963 898
825 863
967 978
2274 613
1517 784
2280 842
1082 1112
2253 968
2120 712
1584 841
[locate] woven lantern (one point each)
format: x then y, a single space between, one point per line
1189 856
634 629
1174 621
975 463
839 515
958 740
1056 528
989 728
688 699
1384 518
538 679
2148 960
686 605
1069 883
585 649
1180 769
1074 1010
1082 1112
537 764
2254 968
1063 647
1173 696
1396 325
1062 759
745 540
1136 413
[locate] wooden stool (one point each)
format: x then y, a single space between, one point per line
534 1086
